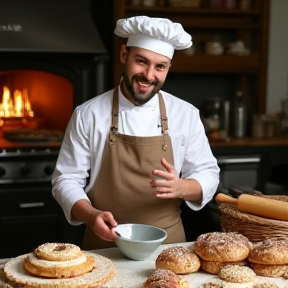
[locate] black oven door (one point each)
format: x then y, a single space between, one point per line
240 171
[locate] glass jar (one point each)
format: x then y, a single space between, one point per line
136 2
149 3
214 47
245 4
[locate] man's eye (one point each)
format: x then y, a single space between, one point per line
161 67
140 61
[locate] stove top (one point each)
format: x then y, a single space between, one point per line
27 164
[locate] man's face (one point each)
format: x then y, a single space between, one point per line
144 73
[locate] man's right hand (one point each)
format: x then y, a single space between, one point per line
102 223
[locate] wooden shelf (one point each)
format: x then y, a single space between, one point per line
250 26
214 64
173 10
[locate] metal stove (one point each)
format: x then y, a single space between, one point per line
27 165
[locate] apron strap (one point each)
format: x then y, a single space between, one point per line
114 128
164 121
163 117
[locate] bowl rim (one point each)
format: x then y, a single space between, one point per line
141 241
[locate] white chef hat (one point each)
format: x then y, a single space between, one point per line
159 35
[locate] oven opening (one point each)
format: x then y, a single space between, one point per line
41 98
34 100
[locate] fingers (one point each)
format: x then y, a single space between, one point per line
104 226
167 165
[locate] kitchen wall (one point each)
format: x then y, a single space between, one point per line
277 84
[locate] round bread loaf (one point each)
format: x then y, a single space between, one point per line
58 251
236 274
214 267
59 269
163 278
222 247
273 270
178 259
270 251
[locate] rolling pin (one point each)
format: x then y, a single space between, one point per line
255 205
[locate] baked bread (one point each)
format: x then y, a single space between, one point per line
178 259
222 246
273 270
58 251
236 274
270 251
58 260
58 269
214 267
163 278
17 276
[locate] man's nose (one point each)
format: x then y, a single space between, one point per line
149 73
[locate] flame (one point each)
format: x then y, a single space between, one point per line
16 106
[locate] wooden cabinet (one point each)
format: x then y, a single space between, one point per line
204 23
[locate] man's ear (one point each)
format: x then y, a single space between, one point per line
123 54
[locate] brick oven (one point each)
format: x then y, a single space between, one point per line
51 60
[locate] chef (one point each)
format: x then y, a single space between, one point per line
119 144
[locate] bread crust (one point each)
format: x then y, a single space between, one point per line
236 274
178 259
17 276
163 278
214 267
270 251
59 272
272 270
58 251
222 246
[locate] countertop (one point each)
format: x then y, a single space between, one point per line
250 141
132 274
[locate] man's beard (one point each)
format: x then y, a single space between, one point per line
140 98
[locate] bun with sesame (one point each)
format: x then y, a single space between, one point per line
178 259
222 246
269 258
163 278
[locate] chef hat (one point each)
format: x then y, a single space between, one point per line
159 35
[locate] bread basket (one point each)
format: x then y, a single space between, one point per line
255 228
184 3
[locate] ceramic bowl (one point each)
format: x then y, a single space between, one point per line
139 241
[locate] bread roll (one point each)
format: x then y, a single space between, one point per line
178 259
162 278
214 267
270 251
273 270
236 274
222 247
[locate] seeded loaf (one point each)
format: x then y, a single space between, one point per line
179 260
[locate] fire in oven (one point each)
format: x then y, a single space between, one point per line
35 108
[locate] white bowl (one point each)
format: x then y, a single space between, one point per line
139 241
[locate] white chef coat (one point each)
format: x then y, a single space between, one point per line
86 135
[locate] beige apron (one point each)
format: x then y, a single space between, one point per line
123 183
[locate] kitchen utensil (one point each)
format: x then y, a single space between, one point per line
256 205
139 241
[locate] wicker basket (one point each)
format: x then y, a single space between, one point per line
184 3
255 228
